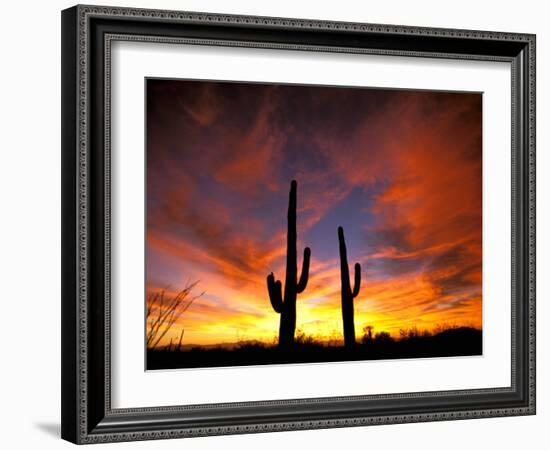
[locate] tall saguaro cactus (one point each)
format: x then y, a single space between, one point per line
286 306
347 294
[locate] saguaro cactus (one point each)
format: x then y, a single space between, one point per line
347 294
286 306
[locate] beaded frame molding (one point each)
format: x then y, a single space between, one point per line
87 34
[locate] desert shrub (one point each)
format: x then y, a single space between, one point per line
383 337
367 334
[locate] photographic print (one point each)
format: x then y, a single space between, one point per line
294 223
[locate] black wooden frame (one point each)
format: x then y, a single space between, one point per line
87 32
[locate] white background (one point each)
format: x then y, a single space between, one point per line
30 224
132 387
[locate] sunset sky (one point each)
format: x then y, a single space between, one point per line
399 170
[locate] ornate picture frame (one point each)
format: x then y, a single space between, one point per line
87 413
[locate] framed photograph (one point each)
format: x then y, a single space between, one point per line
278 224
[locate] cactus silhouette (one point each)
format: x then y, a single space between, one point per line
347 294
286 306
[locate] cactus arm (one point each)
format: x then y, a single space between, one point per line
275 295
357 283
305 271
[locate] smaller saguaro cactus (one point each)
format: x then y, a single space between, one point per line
347 293
285 304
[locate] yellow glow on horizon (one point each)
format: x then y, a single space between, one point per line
319 314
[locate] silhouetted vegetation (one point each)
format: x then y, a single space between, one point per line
347 294
162 312
286 306
413 343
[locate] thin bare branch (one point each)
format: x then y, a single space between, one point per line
162 313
